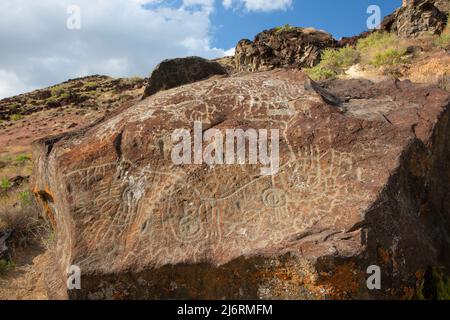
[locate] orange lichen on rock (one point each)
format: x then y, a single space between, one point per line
344 282
44 197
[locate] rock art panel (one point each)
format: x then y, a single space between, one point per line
122 207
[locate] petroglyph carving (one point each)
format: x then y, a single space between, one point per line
139 211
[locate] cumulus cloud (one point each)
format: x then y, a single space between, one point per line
230 52
119 38
10 82
258 5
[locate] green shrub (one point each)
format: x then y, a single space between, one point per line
90 86
286 27
443 41
25 198
52 101
389 57
6 265
437 284
381 49
58 90
64 96
23 158
332 62
16 117
341 58
5 184
377 41
320 72
14 106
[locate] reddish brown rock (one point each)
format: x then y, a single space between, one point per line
173 73
282 47
417 18
364 180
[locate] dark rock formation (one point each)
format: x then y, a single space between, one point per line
414 19
352 41
417 18
282 47
4 250
442 5
362 181
176 72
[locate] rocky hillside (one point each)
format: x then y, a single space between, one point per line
62 108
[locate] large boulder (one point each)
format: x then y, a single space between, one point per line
282 47
417 18
442 5
172 73
363 179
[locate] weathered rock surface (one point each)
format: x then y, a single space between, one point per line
364 181
227 63
417 18
4 235
442 5
172 73
283 47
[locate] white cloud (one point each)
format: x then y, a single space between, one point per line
117 38
230 52
10 82
258 5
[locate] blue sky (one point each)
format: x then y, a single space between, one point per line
124 38
339 17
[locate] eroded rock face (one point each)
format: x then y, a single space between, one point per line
284 47
417 18
172 73
442 5
4 235
364 179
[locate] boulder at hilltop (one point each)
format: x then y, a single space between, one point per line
363 180
417 18
282 47
172 73
442 5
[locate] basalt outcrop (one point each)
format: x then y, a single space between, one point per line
172 73
417 18
363 180
4 235
282 47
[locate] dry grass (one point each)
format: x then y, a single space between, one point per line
19 213
15 165
434 70
18 210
